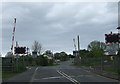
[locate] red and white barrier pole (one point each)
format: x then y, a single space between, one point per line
13 36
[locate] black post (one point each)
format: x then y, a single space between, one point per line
78 59
23 60
16 58
27 55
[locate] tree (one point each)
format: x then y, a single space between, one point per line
47 52
57 55
96 45
43 61
37 47
63 56
96 49
83 53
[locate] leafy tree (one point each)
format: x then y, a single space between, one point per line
43 61
48 52
83 53
63 56
96 49
71 56
57 55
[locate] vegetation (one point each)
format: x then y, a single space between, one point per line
37 47
62 56
9 74
92 56
113 70
96 49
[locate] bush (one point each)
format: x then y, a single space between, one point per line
50 61
43 61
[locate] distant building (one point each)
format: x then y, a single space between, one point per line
49 53
112 49
9 54
48 57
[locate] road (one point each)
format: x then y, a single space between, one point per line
64 73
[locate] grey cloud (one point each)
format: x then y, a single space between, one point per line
56 24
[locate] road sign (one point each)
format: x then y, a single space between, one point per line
111 57
112 38
34 53
75 53
20 50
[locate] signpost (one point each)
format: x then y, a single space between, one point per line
20 50
34 53
114 39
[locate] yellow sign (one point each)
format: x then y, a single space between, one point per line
111 57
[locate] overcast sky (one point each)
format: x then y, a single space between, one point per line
54 25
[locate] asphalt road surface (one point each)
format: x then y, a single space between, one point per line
64 73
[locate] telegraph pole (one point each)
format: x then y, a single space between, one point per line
78 51
78 44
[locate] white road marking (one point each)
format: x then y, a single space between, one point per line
36 69
68 77
52 77
34 75
87 71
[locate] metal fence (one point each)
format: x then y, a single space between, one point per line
101 63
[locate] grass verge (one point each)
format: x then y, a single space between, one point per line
54 65
113 70
72 64
10 74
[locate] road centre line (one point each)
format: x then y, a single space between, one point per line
65 76
68 77
52 77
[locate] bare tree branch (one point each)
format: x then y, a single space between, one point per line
37 47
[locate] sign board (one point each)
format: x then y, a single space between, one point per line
112 38
20 50
34 54
75 53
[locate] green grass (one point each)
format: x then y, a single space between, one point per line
72 64
113 70
91 64
87 64
6 74
10 74
54 65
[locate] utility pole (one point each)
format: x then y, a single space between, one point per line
78 44
78 61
